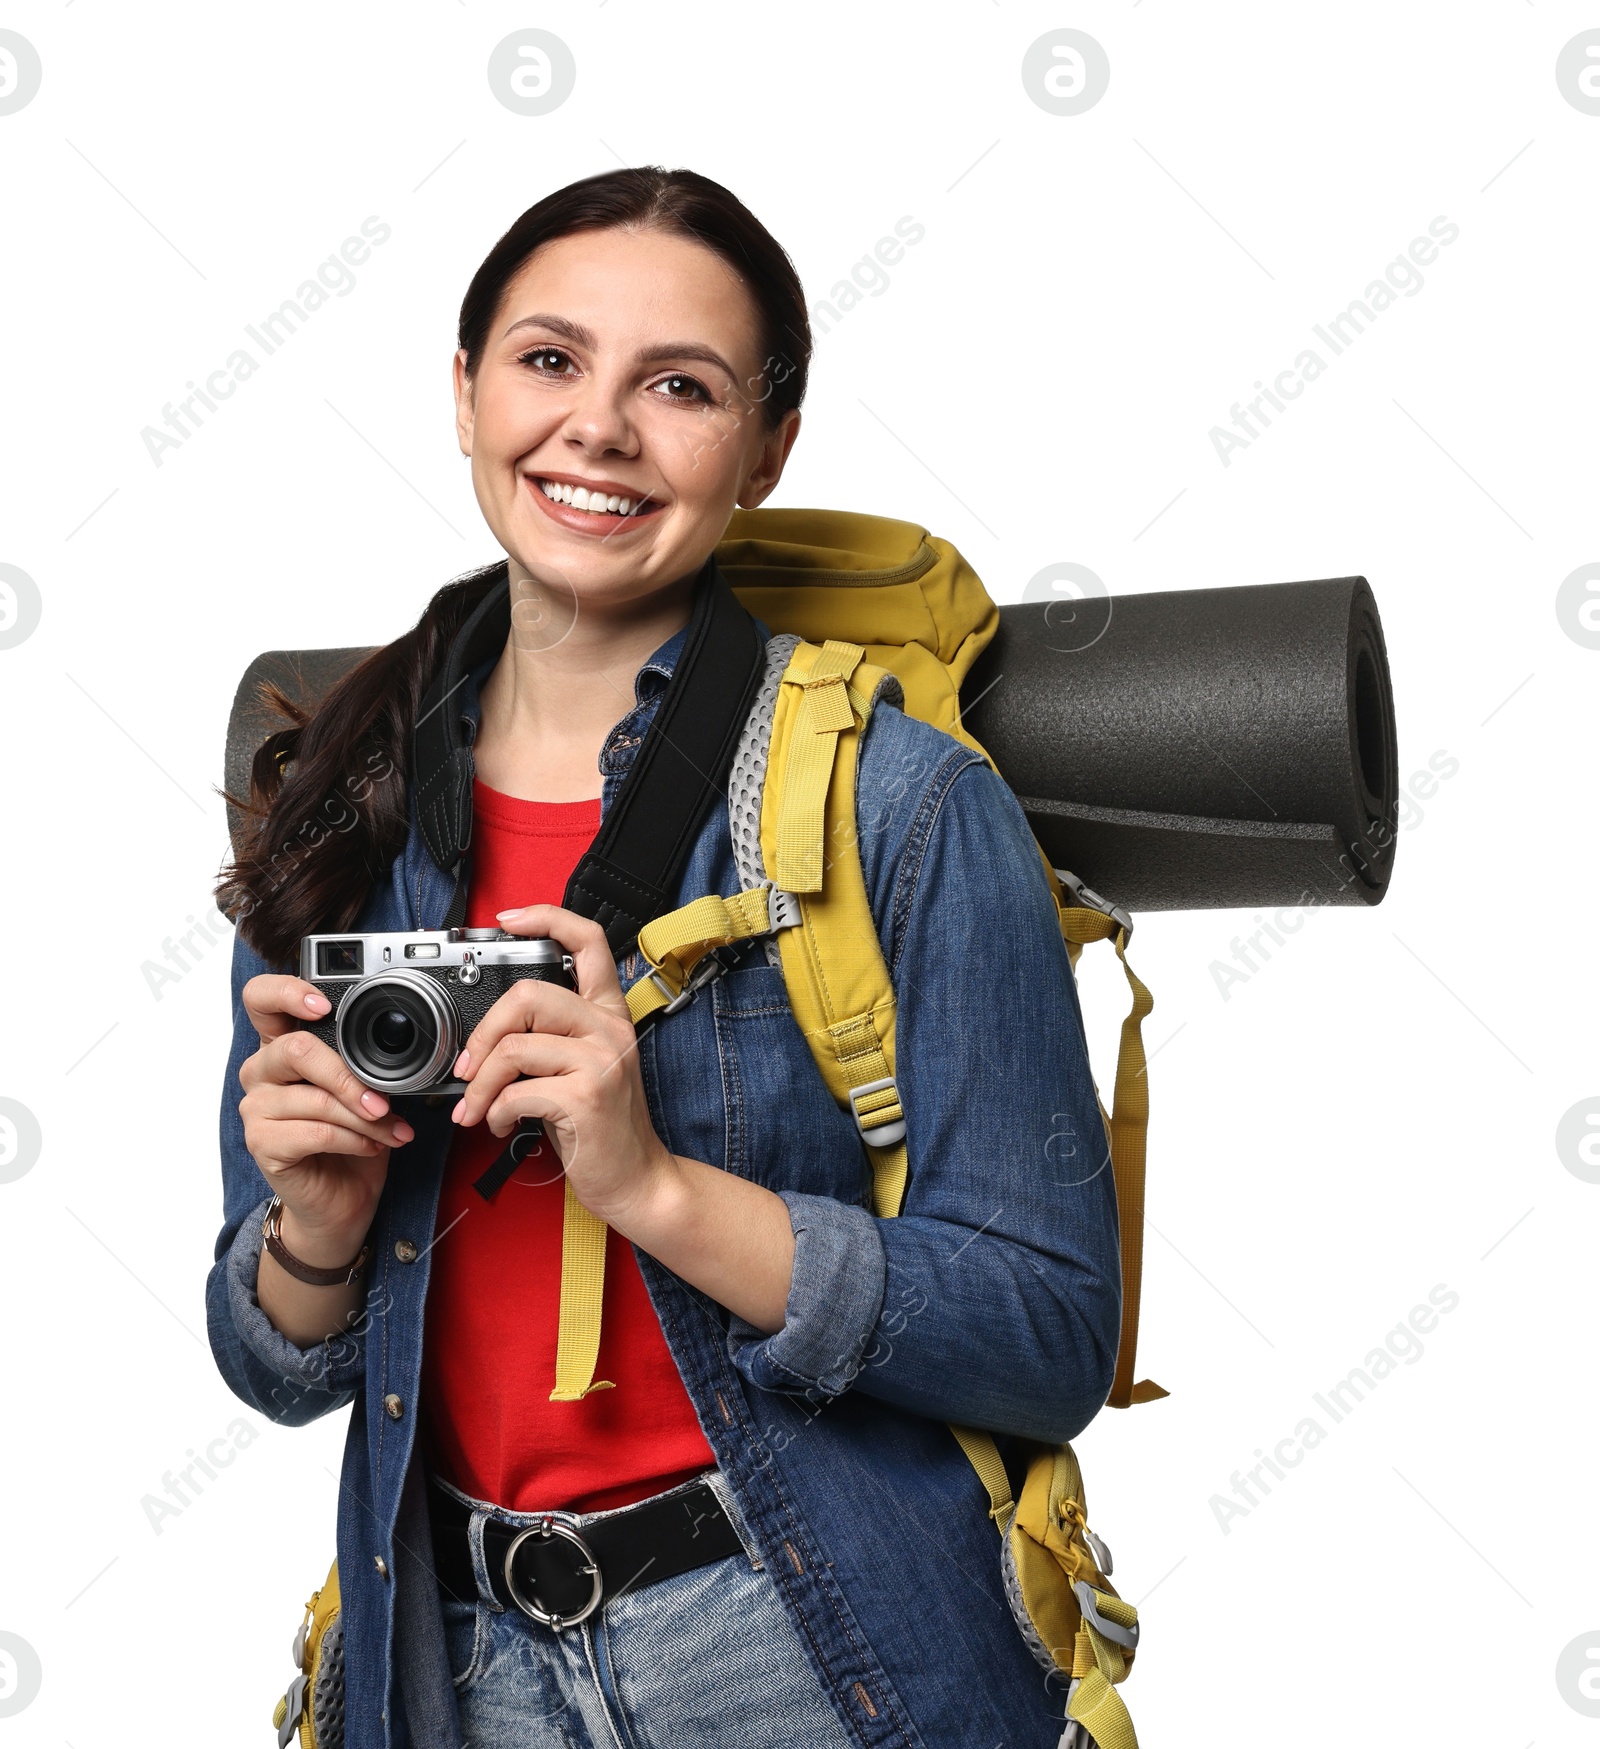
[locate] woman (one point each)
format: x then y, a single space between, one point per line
793 1549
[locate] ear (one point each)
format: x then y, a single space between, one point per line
463 392
769 464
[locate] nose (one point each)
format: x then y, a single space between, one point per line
598 420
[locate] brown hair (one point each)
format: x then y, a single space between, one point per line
327 809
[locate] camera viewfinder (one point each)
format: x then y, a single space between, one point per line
338 959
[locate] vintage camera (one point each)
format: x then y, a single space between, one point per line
404 1003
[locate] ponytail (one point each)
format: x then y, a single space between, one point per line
327 811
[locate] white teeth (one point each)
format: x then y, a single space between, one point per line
581 498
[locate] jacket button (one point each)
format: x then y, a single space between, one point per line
406 1251
382 1566
395 1407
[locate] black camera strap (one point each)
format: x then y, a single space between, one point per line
630 873
527 1138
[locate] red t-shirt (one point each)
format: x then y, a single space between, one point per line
489 1350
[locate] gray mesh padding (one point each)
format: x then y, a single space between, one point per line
327 1698
749 773
1012 1586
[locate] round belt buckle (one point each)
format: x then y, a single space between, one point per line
544 1530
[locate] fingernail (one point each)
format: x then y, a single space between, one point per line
317 1002
463 1063
375 1103
403 1132
461 1106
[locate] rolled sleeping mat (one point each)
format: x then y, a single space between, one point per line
306 676
1185 750
1200 748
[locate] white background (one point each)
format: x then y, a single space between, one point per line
1372 1113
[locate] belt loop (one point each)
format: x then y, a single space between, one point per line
719 1485
480 1562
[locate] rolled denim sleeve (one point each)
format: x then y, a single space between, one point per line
258 1363
834 1304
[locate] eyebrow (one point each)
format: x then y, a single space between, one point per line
581 336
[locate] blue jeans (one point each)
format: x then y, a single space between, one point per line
706 1658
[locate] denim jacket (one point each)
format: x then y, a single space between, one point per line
993 1299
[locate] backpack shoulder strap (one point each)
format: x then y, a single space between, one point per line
833 968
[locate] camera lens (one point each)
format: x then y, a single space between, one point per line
398 1031
394 1032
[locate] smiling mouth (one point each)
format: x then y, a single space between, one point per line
604 508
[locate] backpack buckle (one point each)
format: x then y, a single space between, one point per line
709 966
1127 1638
1091 900
885 1135
294 1702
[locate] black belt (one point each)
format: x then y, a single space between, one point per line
559 1574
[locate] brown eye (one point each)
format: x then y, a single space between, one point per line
681 388
544 358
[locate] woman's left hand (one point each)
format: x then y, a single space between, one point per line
572 1060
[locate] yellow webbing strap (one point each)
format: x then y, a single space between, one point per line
1126 1131
1097 1664
825 712
583 1281
984 1456
672 945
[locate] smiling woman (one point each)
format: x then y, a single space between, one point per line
719 1529
662 389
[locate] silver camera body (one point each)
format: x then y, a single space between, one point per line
405 1001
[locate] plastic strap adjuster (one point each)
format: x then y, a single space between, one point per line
783 909
883 1135
1091 900
1126 1637
295 1705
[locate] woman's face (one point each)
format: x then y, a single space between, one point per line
628 365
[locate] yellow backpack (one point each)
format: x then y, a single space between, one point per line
883 608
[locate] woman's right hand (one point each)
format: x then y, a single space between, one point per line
321 1138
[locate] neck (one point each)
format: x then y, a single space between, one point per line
562 683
